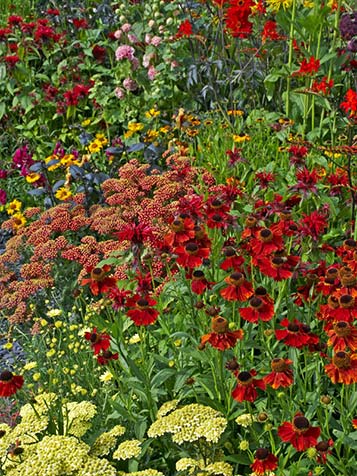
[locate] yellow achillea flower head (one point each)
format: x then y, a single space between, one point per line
107 441
190 423
128 449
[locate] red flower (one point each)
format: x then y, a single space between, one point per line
185 29
343 368
270 32
267 241
191 255
324 86
238 289
281 375
246 387
308 67
106 356
323 449
99 281
199 283
313 225
277 266
264 461
80 23
143 313
261 307
296 334
99 341
354 423
299 433
349 105
221 337
11 60
232 259
182 230
10 383
342 335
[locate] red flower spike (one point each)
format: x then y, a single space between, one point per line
221 337
10 383
142 314
264 462
245 389
299 433
281 375
98 341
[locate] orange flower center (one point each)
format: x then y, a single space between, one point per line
342 329
301 424
219 325
342 360
348 280
279 365
250 222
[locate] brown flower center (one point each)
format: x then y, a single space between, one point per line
279 365
97 274
229 252
198 274
348 279
333 302
342 360
261 454
236 278
322 446
350 244
342 328
301 424
177 225
216 203
260 291
346 301
219 325
217 218
2 433
94 338
256 302
191 248
292 327
250 222
142 303
6 376
278 262
245 378
266 235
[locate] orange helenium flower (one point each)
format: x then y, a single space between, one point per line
281 375
299 433
343 368
221 337
342 335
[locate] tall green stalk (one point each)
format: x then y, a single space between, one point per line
290 58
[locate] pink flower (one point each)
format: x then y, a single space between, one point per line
147 38
133 38
118 34
126 27
3 197
147 58
119 92
130 84
3 174
125 52
152 72
156 40
135 63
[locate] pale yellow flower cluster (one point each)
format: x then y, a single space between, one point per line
195 467
128 449
78 417
190 423
245 420
107 441
144 472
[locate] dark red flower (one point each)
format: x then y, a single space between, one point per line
296 334
80 23
349 105
238 289
308 67
10 383
270 32
199 283
266 241
264 462
99 53
182 230
191 255
277 266
299 433
11 60
106 356
281 375
245 389
343 368
342 335
185 29
323 87
142 314
261 307
221 337
99 281
323 449
98 341
232 259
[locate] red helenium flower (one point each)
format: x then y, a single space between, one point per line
142 314
299 433
98 341
221 337
281 375
264 462
245 389
10 383
238 289
343 368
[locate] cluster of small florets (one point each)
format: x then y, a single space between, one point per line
199 468
107 441
190 423
128 449
78 417
144 472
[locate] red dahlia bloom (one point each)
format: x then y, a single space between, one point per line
142 314
299 433
281 375
10 383
98 341
245 389
343 368
221 337
264 461
296 334
238 289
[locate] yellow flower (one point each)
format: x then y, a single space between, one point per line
54 312
30 366
14 206
135 339
132 128
32 177
36 376
151 135
309 4
51 353
241 138
95 146
8 345
68 160
152 113
54 166
85 123
63 193
275 5
58 324
235 112
101 138
18 220
106 377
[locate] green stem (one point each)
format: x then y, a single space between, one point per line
290 58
